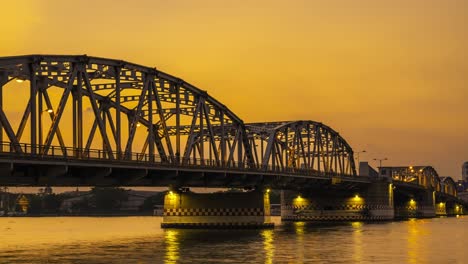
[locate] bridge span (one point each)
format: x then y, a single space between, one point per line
89 121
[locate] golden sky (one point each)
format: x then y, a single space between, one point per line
390 75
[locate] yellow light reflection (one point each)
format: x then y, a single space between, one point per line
416 232
357 241
172 246
299 228
268 246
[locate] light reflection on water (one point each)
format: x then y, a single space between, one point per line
140 240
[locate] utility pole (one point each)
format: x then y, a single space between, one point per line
380 165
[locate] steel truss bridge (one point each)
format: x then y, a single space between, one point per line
81 120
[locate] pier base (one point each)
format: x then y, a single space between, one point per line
373 204
421 205
217 210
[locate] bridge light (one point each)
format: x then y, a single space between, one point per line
19 80
50 111
138 124
267 190
357 198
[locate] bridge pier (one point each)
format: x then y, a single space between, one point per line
375 203
441 209
453 208
419 205
217 210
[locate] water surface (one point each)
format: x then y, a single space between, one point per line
141 240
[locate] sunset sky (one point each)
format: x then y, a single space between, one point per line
390 75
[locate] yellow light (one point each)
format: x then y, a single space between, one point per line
50 110
138 124
19 80
411 167
412 201
267 190
171 193
356 198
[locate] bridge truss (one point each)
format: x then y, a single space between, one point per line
87 107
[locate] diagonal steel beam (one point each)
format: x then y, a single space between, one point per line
163 122
51 115
210 130
136 117
9 131
191 137
97 114
60 109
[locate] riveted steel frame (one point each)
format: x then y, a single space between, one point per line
158 102
301 145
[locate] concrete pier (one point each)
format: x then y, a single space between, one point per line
217 210
372 204
420 205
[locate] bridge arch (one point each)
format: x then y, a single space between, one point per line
183 123
301 145
448 186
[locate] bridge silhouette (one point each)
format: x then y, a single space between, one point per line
114 123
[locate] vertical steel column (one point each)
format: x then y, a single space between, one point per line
40 110
223 140
74 116
103 112
32 101
177 123
308 146
150 119
201 140
286 139
1 108
79 117
118 140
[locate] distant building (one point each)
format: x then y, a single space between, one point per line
366 170
465 171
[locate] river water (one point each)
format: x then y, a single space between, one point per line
141 240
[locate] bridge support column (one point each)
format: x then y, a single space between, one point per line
372 204
453 208
418 205
441 209
217 210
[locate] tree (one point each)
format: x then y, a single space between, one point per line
108 198
150 202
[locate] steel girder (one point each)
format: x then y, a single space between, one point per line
183 124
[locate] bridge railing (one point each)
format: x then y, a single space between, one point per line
69 153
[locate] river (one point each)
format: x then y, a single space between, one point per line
141 240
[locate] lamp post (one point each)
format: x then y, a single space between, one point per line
380 164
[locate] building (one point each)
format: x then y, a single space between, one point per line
465 171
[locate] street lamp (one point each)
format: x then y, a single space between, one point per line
380 163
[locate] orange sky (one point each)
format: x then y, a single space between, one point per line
390 75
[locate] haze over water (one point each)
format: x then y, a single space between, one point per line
141 240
